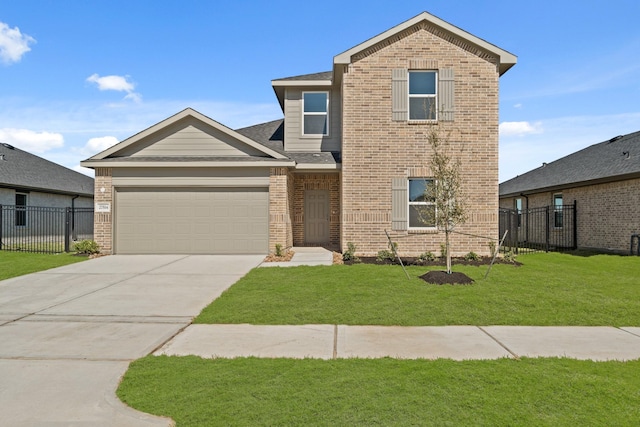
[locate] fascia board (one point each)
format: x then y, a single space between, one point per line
164 164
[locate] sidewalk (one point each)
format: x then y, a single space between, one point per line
304 256
431 342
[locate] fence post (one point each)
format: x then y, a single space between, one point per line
575 225
67 229
547 231
1 226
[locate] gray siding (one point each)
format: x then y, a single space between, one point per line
294 141
47 200
190 138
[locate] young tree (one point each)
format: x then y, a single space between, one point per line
445 191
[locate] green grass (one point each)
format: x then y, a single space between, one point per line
548 289
356 392
14 264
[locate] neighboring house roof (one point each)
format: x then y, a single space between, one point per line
323 76
27 172
612 160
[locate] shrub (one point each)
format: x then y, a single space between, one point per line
279 252
509 256
86 247
350 253
472 256
427 256
492 248
384 255
443 250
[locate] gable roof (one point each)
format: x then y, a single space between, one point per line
121 153
506 59
27 172
613 160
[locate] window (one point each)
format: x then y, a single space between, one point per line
422 208
557 210
315 109
21 210
422 95
518 206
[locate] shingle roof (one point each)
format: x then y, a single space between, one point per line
612 160
270 134
24 170
324 75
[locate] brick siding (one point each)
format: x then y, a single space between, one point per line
103 221
376 149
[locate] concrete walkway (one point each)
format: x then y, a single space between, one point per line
452 342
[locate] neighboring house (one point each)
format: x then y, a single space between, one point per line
29 180
349 160
603 181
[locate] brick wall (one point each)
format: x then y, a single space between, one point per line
607 214
280 224
103 221
377 149
317 181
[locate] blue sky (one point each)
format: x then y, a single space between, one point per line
77 76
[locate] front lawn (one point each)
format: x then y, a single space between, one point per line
14 264
548 289
356 392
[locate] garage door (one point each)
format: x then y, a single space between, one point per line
188 221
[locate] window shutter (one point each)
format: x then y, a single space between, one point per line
399 204
400 95
446 94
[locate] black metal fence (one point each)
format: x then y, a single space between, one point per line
42 229
549 228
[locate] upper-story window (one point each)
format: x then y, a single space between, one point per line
422 95
315 113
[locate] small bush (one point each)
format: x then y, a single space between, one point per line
86 247
492 248
350 253
279 252
472 256
427 256
509 256
384 255
443 250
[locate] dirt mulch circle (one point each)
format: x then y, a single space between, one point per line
436 277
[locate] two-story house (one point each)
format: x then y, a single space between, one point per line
349 160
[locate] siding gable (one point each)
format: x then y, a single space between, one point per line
190 138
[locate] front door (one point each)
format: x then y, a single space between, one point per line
316 216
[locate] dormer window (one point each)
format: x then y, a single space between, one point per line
315 113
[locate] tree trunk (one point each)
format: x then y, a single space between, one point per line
446 235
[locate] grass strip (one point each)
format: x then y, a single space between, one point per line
357 392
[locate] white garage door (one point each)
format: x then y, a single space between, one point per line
192 221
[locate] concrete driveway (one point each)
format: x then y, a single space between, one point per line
67 335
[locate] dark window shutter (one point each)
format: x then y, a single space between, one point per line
400 95
399 204
446 94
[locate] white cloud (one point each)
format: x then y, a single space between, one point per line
116 83
13 44
33 142
97 145
519 128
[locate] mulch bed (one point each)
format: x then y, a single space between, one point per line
437 262
437 277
